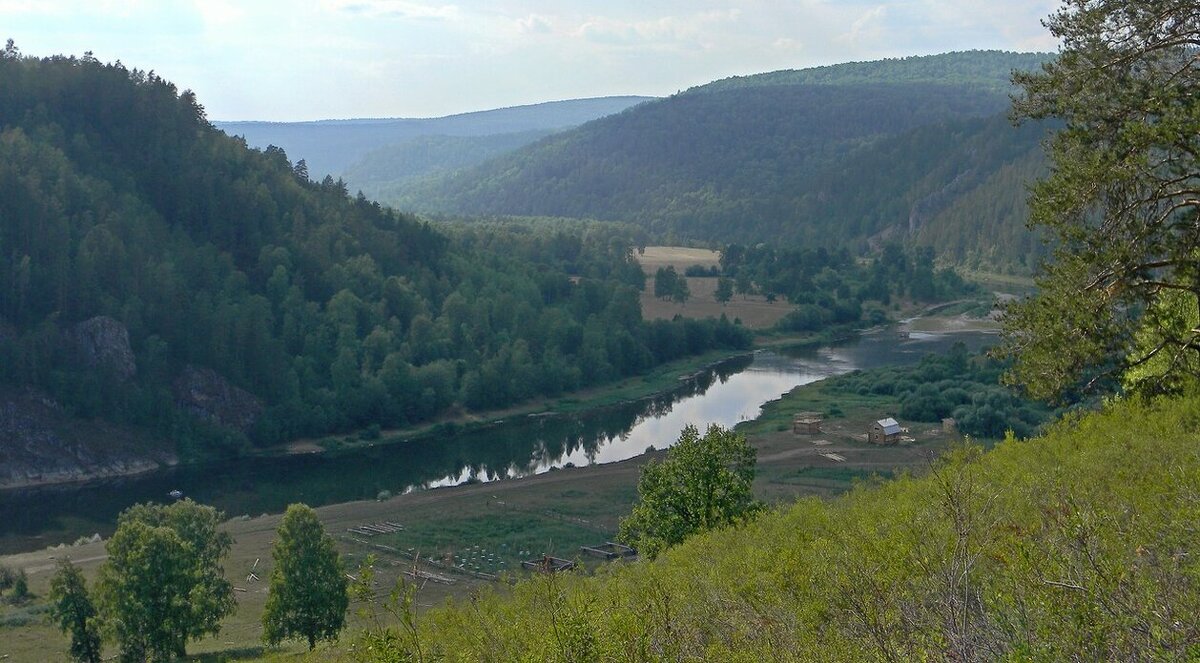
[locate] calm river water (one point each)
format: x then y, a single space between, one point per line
726 394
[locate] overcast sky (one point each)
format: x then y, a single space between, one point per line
303 60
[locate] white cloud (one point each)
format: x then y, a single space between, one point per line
402 9
534 24
869 25
699 29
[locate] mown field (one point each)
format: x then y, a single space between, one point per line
754 311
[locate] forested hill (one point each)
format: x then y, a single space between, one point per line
331 146
988 70
157 273
847 162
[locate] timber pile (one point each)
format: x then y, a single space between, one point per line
373 529
418 574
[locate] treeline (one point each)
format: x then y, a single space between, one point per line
990 70
956 385
834 288
117 198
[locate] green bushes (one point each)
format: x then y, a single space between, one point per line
1079 545
954 385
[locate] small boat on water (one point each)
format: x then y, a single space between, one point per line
175 494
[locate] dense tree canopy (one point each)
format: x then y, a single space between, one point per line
704 483
1123 200
117 198
308 591
163 583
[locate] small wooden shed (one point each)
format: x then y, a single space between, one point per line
806 423
884 431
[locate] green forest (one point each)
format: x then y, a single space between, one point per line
119 199
918 150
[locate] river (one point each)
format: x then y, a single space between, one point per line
725 394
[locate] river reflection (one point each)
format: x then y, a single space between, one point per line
725 394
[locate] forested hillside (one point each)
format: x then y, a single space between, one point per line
158 273
988 70
382 172
331 146
847 155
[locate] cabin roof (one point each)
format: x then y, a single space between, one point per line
889 426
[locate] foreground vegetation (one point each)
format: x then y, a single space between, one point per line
1077 545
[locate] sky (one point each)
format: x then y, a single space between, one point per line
288 60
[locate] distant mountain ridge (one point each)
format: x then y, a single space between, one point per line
331 146
989 70
848 155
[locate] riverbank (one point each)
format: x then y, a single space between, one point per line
496 524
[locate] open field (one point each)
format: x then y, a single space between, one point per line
490 527
679 257
754 311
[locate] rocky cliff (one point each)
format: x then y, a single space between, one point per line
40 443
206 394
104 343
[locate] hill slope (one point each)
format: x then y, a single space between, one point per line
331 146
1079 545
383 171
833 155
157 273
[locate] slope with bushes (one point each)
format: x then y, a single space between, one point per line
1078 545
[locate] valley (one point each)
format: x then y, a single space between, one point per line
755 343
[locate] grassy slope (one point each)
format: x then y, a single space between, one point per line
1082 543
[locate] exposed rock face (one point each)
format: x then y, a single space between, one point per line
41 444
104 342
208 395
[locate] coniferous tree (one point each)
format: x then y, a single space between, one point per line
1122 201
72 609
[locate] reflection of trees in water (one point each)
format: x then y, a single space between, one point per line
253 486
525 446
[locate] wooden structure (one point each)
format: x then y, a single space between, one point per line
949 425
548 564
806 423
884 431
372 529
609 550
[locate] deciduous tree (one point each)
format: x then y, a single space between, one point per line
162 584
308 592
704 483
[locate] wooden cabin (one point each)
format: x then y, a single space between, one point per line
806 423
884 431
